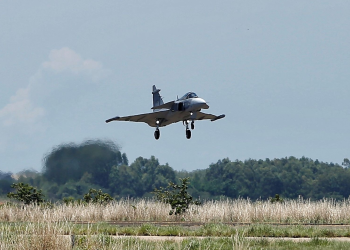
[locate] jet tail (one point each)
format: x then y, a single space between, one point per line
157 99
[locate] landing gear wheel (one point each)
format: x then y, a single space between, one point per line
188 134
192 125
156 134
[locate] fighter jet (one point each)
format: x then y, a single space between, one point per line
186 109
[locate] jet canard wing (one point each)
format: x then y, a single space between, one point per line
149 118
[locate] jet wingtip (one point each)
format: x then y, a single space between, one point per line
113 119
218 117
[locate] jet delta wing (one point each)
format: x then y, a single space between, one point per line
148 118
203 116
186 109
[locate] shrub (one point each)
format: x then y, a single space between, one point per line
97 196
277 198
177 196
68 200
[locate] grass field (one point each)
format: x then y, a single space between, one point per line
240 211
51 235
45 227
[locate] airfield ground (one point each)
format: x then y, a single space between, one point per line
146 224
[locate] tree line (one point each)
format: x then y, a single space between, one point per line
71 170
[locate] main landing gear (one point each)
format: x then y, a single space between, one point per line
188 134
157 134
188 131
186 123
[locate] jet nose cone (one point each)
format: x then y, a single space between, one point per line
200 103
203 103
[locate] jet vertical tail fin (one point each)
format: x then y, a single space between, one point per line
157 99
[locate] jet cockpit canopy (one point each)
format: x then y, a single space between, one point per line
189 95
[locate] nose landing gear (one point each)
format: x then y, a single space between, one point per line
157 132
192 125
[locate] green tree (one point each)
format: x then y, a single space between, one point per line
290 177
5 182
140 178
124 181
26 194
70 162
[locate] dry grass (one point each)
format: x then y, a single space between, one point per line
33 236
40 227
239 210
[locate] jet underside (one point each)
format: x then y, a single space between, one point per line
186 109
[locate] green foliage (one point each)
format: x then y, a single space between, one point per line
68 200
5 186
5 182
93 158
277 198
71 170
289 177
26 193
140 178
177 196
97 196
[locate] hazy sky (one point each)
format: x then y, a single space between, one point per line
279 70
